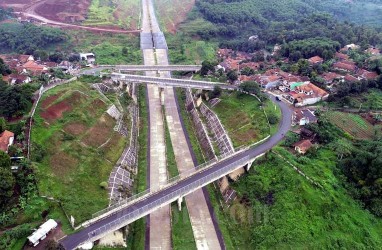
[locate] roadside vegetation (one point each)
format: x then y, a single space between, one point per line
136 236
243 118
114 12
75 148
108 48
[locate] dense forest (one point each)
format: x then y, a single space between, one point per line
15 100
281 22
5 13
26 38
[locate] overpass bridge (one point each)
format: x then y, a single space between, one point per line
152 67
172 82
126 212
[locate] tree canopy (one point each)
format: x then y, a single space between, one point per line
26 38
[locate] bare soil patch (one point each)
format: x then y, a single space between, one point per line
75 128
174 12
64 11
56 111
49 100
62 163
100 132
95 106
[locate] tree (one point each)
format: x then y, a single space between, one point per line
250 87
207 66
5 160
3 124
125 51
232 75
273 119
216 92
7 182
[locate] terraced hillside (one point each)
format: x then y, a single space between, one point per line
75 147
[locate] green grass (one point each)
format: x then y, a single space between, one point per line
242 117
170 155
124 13
353 124
214 194
107 47
74 164
270 108
136 236
180 94
184 50
182 234
289 212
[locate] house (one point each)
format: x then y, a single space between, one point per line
341 56
6 140
40 234
305 116
367 75
88 57
315 60
350 47
14 79
345 66
305 93
329 77
350 78
302 146
373 51
34 68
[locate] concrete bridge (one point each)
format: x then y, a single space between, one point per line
128 211
193 68
171 82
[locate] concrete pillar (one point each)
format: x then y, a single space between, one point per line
120 84
249 164
180 203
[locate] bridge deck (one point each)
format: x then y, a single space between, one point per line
181 188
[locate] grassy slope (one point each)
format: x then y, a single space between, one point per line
122 13
223 223
242 117
289 212
136 237
70 168
107 47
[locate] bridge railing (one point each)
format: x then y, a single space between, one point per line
137 213
170 182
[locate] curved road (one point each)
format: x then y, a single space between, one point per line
74 240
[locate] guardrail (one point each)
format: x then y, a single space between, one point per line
140 212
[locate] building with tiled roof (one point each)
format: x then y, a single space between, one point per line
345 66
315 60
302 146
305 93
6 140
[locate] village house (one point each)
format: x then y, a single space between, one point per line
304 116
6 140
302 146
15 79
345 66
350 47
373 51
350 78
341 56
367 75
315 60
330 77
305 93
88 57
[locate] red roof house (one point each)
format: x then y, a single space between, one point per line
6 140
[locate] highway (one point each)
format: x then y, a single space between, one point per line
171 82
94 231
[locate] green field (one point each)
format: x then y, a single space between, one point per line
287 211
352 124
242 117
75 148
124 13
106 46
